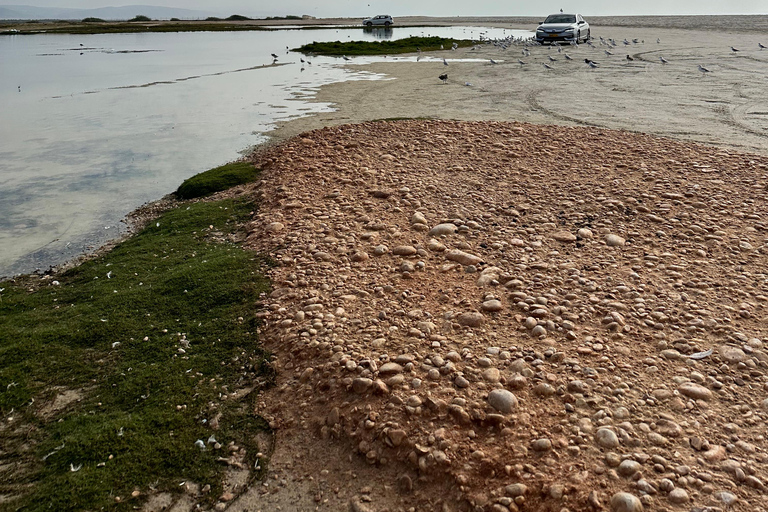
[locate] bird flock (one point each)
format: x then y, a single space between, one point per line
610 49
529 48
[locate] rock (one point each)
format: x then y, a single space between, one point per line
397 436
462 257
404 250
614 240
728 499
361 384
515 490
732 354
390 368
606 438
444 229
625 502
502 400
418 218
491 375
678 496
380 250
695 391
541 445
275 227
563 236
584 233
492 306
628 467
472 319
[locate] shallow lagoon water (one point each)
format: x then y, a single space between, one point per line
93 126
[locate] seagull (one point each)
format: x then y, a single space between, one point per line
345 57
591 63
762 46
629 58
663 60
607 53
658 41
568 57
274 56
302 60
547 66
551 59
522 62
19 88
703 69
445 62
444 78
493 62
467 84
734 49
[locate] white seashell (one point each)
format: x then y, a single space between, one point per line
200 444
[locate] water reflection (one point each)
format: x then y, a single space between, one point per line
95 125
379 32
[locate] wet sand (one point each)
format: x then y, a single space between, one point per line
726 107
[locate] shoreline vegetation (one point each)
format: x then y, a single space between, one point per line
115 373
407 45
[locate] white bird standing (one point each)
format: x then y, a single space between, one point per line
345 57
734 49
546 66
522 62
493 61
663 60
568 57
762 46
703 69
445 62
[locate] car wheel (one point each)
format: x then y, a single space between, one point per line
588 37
386 24
369 24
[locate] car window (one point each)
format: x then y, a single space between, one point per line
560 18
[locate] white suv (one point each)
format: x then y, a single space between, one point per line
381 19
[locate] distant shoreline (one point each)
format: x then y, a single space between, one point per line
735 23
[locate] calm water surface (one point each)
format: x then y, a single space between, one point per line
93 126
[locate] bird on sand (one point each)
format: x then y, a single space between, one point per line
274 56
762 46
444 78
629 58
607 53
493 61
522 62
551 59
445 62
591 63
734 49
547 66
703 69
345 57
663 60
568 57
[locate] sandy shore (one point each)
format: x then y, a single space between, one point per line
726 107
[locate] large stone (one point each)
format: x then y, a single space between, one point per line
390 369
443 229
614 240
606 438
625 502
502 400
695 391
404 250
471 319
564 236
462 257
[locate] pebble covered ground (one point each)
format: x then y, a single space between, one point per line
503 316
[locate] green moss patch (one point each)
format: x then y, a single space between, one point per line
217 179
407 45
111 371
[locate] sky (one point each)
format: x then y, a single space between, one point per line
361 8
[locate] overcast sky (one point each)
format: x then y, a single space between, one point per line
332 8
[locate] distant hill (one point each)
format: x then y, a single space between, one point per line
27 12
